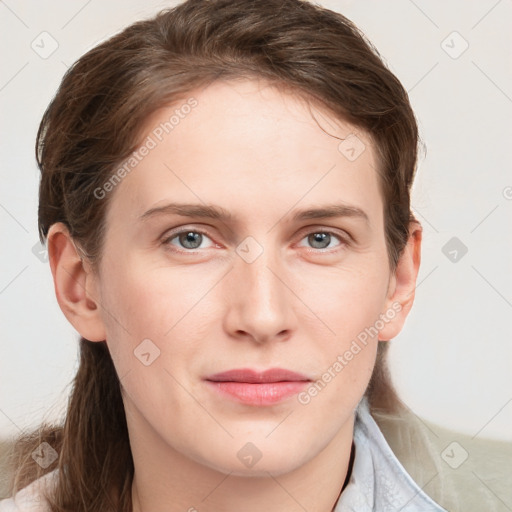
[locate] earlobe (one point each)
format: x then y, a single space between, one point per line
403 285
74 284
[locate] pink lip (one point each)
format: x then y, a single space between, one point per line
258 388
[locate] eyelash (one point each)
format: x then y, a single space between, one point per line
344 241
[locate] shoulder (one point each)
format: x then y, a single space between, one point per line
459 471
31 498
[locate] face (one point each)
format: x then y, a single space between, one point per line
187 295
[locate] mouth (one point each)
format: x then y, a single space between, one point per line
258 388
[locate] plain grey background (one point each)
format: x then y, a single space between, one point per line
452 364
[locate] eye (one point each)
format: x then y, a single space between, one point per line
189 239
322 239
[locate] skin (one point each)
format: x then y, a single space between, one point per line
258 153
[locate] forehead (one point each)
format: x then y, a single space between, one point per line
252 148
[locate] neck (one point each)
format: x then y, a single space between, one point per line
175 483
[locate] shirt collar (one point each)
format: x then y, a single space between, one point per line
378 481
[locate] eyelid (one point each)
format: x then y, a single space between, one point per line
169 235
340 233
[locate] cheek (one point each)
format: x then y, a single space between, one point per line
147 336
143 302
130 309
347 301
146 301
348 306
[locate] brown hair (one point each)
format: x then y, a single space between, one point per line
94 123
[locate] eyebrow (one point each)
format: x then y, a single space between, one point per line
219 213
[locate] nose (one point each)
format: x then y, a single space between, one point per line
259 297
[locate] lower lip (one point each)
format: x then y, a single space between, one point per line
267 393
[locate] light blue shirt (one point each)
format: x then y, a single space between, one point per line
379 482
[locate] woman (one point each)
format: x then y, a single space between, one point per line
225 195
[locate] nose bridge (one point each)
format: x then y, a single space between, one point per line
255 266
259 300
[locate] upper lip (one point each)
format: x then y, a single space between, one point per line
257 377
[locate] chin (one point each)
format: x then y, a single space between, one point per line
251 462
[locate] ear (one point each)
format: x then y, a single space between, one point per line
402 285
75 284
